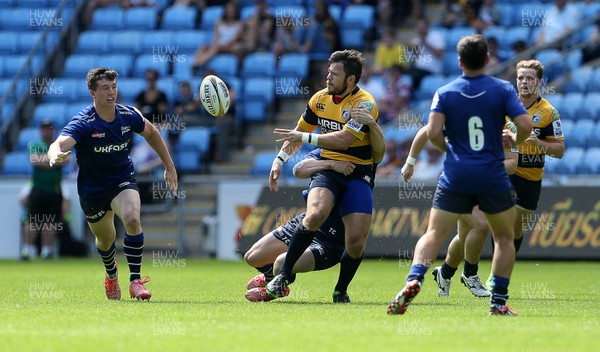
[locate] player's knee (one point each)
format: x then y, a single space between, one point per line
314 220
131 220
251 258
355 246
482 226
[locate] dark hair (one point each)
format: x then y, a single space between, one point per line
96 74
472 51
352 61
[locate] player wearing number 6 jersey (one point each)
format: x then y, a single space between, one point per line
472 111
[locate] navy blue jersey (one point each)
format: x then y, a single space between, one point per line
102 148
475 110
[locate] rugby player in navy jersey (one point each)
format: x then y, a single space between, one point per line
472 111
106 182
342 137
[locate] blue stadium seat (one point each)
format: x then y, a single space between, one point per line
26 136
15 19
210 15
273 3
454 35
590 107
247 12
74 108
531 15
7 110
17 163
188 160
189 41
183 70
582 133
262 163
8 44
429 85
497 32
258 65
570 105
50 111
143 18
122 63
12 65
513 34
179 18
27 40
451 67
574 59
590 162
57 90
352 37
595 140
2 66
293 65
556 100
108 18
6 3
553 62
78 65
126 42
578 81
192 147
169 86
159 42
224 64
146 61
570 161
22 87
594 83
334 10
93 42
30 3
259 94
294 12
506 14
358 15
129 88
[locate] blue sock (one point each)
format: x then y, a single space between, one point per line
108 258
447 271
417 272
133 246
499 291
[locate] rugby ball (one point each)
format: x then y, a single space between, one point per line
214 95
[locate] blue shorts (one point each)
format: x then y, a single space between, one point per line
95 208
462 203
326 254
351 195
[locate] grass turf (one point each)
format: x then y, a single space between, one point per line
198 305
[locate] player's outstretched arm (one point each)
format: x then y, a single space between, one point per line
288 149
60 149
154 139
417 145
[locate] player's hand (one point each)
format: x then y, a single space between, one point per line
57 159
509 139
288 135
171 179
533 139
362 116
343 167
274 176
407 171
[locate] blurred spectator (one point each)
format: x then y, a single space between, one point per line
561 18
152 102
392 161
137 3
45 199
397 95
493 52
185 102
373 86
455 15
227 37
323 32
427 53
430 169
183 3
389 52
145 160
488 15
260 28
285 38
592 50
393 13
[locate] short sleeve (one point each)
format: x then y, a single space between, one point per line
74 129
138 123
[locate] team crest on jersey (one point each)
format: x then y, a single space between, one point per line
346 114
536 119
125 129
366 104
98 135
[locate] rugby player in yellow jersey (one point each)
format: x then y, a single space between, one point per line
546 139
335 110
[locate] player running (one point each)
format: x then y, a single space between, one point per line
472 109
106 184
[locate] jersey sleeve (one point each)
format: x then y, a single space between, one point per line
309 120
554 130
513 106
138 121
75 129
436 104
359 130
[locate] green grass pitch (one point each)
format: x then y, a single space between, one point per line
199 305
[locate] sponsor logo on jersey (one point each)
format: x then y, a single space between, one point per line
98 135
354 125
558 131
346 114
125 129
110 148
367 178
123 184
89 119
320 107
366 104
329 125
536 119
125 112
